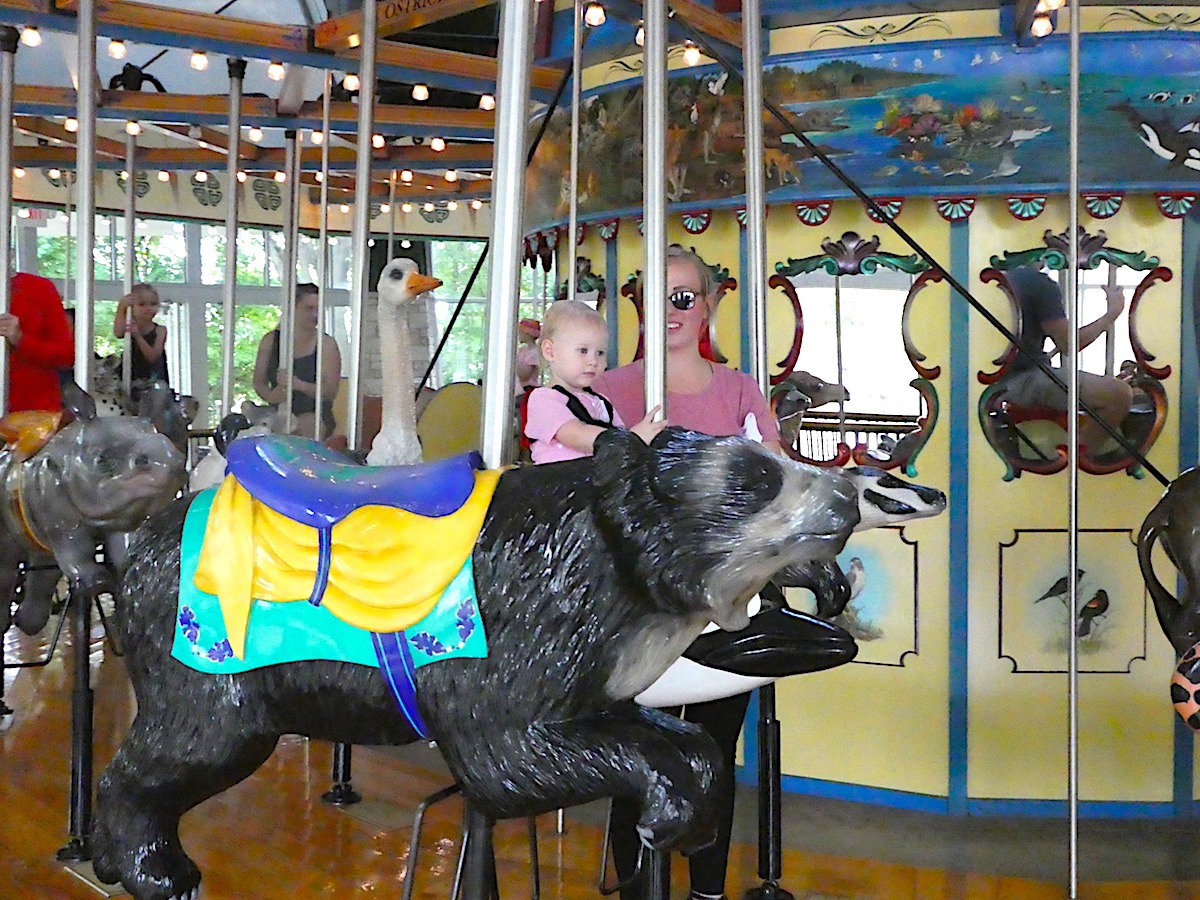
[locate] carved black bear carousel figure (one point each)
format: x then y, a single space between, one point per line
512 617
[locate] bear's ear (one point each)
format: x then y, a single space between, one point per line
617 453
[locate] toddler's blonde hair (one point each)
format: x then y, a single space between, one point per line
564 312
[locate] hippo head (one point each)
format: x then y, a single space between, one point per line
116 471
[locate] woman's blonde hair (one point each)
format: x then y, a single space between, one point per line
563 312
679 253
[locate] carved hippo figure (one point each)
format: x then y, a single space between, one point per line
94 481
591 577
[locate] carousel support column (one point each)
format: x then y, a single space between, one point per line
322 259
508 180
233 193
287 315
130 260
80 815
656 885
770 826
576 100
8 53
478 877
360 225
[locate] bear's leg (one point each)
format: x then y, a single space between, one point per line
665 765
154 779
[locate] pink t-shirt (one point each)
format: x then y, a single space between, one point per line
547 412
528 356
720 409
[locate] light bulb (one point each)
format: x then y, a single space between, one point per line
22 213
345 208
452 205
241 177
1041 27
281 177
406 244
200 177
420 92
18 172
351 82
71 125
54 174
31 37
378 142
593 14
691 54
164 176
122 175
487 102
640 37
117 49
385 207
451 175
476 204
133 128
428 207
437 145
320 177
354 40
199 60
317 137
406 176
255 134
405 207
276 71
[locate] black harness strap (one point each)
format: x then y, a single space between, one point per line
578 410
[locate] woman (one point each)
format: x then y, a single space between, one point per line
712 399
273 388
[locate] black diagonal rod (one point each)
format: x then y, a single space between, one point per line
788 123
554 101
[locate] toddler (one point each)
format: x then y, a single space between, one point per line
135 314
566 415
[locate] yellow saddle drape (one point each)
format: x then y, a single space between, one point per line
389 566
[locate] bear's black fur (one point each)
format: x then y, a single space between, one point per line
593 576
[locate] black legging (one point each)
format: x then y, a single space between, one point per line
722 719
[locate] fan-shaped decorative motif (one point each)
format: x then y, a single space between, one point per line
741 216
1026 208
889 206
697 221
1175 205
956 209
641 225
1102 206
608 230
814 213
580 231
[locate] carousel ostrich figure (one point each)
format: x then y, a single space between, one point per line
400 283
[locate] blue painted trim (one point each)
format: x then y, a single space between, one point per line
857 793
612 290
959 423
1058 809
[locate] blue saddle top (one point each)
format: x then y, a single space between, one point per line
312 484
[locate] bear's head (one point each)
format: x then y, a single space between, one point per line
705 522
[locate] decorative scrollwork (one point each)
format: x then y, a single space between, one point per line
852 255
871 32
1091 250
1163 20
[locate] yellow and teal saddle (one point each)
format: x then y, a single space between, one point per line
301 554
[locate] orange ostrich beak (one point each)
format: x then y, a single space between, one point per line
417 283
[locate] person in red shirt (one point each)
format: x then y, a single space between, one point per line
39 343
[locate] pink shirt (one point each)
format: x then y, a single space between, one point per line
720 409
528 356
547 412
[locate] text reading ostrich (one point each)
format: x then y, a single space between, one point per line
400 283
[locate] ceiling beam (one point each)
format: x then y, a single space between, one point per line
206 139
452 62
708 22
392 17
41 128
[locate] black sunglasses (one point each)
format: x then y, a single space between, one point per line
683 300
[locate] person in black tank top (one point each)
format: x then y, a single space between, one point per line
135 316
273 388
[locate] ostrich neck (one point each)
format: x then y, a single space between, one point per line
396 358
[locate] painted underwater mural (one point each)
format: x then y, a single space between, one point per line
950 118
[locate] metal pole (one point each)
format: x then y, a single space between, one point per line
1072 363
360 226
576 101
233 193
287 315
323 256
755 277
508 180
654 202
8 55
85 181
391 244
130 259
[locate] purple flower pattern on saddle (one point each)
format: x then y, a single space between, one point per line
190 626
220 651
464 623
187 621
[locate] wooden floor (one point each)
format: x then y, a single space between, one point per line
272 838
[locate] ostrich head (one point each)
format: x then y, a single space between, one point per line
401 282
